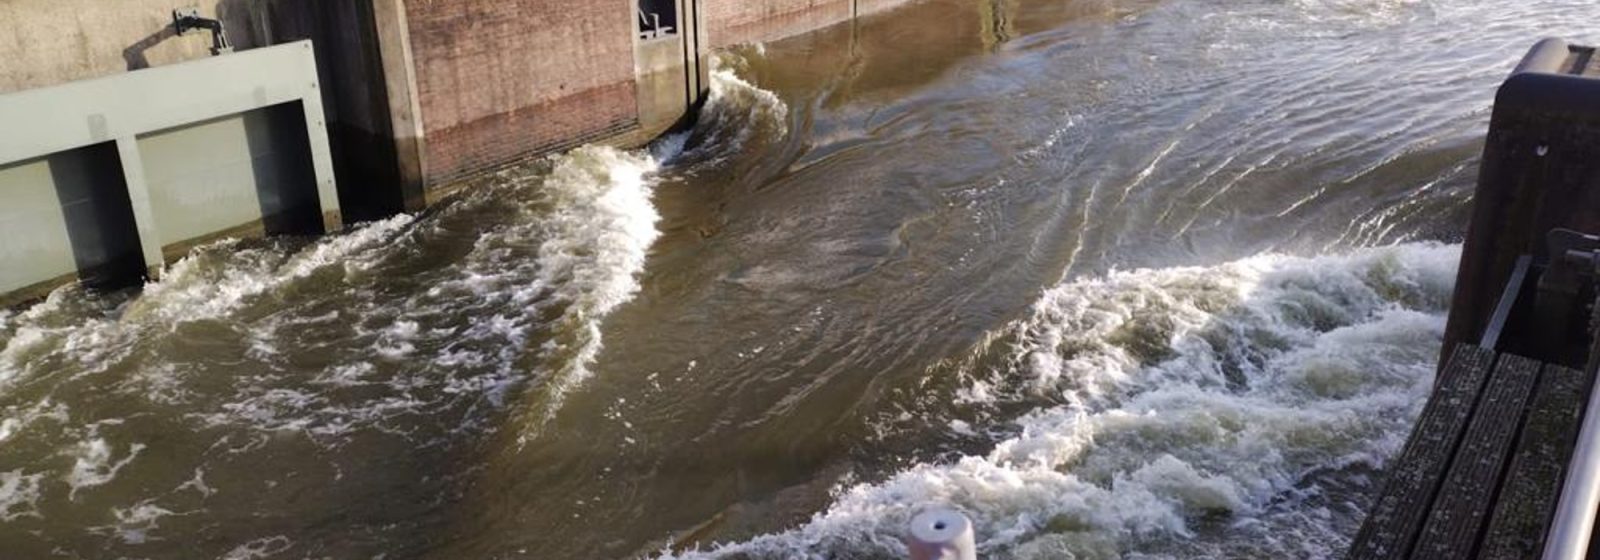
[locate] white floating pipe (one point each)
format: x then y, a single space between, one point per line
1570 531
941 534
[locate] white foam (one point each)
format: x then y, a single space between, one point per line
731 92
44 329
735 112
589 223
1375 11
19 494
274 409
220 278
1170 395
594 248
134 524
16 420
264 547
94 464
213 281
347 375
198 484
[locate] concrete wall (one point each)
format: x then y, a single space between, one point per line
669 76
363 61
502 79
868 7
31 205
730 22
48 42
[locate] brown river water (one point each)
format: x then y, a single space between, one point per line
1157 279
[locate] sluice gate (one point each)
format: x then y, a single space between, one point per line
104 180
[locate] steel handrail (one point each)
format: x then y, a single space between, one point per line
1573 525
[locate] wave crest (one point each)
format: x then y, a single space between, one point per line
1235 396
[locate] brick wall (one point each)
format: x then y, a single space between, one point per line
500 79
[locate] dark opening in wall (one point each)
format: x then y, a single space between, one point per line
286 181
99 216
657 18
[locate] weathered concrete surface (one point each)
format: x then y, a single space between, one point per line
730 22
663 83
502 79
670 73
220 174
400 92
48 42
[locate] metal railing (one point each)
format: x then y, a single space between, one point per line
1575 254
1573 524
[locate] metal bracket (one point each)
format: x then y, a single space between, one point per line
1573 267
1574 256
186 19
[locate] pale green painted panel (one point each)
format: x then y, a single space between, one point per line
201 178
33 232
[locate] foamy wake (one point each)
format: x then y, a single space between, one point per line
603 223
19 494
220 278
538 287
736 113
594 248
215 280
732 96
1185 411
545 281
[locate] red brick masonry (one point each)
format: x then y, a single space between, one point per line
495 140
499 80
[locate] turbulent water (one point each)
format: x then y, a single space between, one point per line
1117 279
